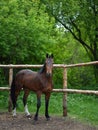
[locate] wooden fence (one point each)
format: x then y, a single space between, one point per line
64 89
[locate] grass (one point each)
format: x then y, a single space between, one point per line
82 107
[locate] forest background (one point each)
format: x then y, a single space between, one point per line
69 29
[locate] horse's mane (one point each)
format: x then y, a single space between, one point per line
42 69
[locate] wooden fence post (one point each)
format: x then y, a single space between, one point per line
65 94
10 81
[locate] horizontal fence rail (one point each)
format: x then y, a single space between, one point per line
76 91
64 90
55 65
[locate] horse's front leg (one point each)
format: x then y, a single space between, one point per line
38 106
47 97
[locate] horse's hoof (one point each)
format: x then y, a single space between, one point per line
35 122
48 118
28 116
35 118
14 116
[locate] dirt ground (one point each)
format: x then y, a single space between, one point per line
7 122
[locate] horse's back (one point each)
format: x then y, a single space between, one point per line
25 72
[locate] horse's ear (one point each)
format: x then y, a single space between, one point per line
51 55
47 55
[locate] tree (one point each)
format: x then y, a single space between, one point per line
80 18
25 30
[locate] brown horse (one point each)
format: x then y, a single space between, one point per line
39 82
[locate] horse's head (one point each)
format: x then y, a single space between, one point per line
49 64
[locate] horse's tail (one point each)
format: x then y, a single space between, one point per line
12 92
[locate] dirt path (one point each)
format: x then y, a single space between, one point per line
7 122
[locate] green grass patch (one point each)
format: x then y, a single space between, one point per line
4 101
82 107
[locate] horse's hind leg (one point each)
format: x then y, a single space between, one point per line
38 105
26 93
14 102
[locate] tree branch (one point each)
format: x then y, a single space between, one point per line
78 38
77 29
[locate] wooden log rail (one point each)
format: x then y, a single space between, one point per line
55 65
76 91
64 90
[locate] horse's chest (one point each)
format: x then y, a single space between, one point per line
46 86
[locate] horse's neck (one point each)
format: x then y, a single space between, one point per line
48 79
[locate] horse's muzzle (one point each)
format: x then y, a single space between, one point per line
48 74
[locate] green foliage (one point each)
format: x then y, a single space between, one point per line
3 78
26 29
82 77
